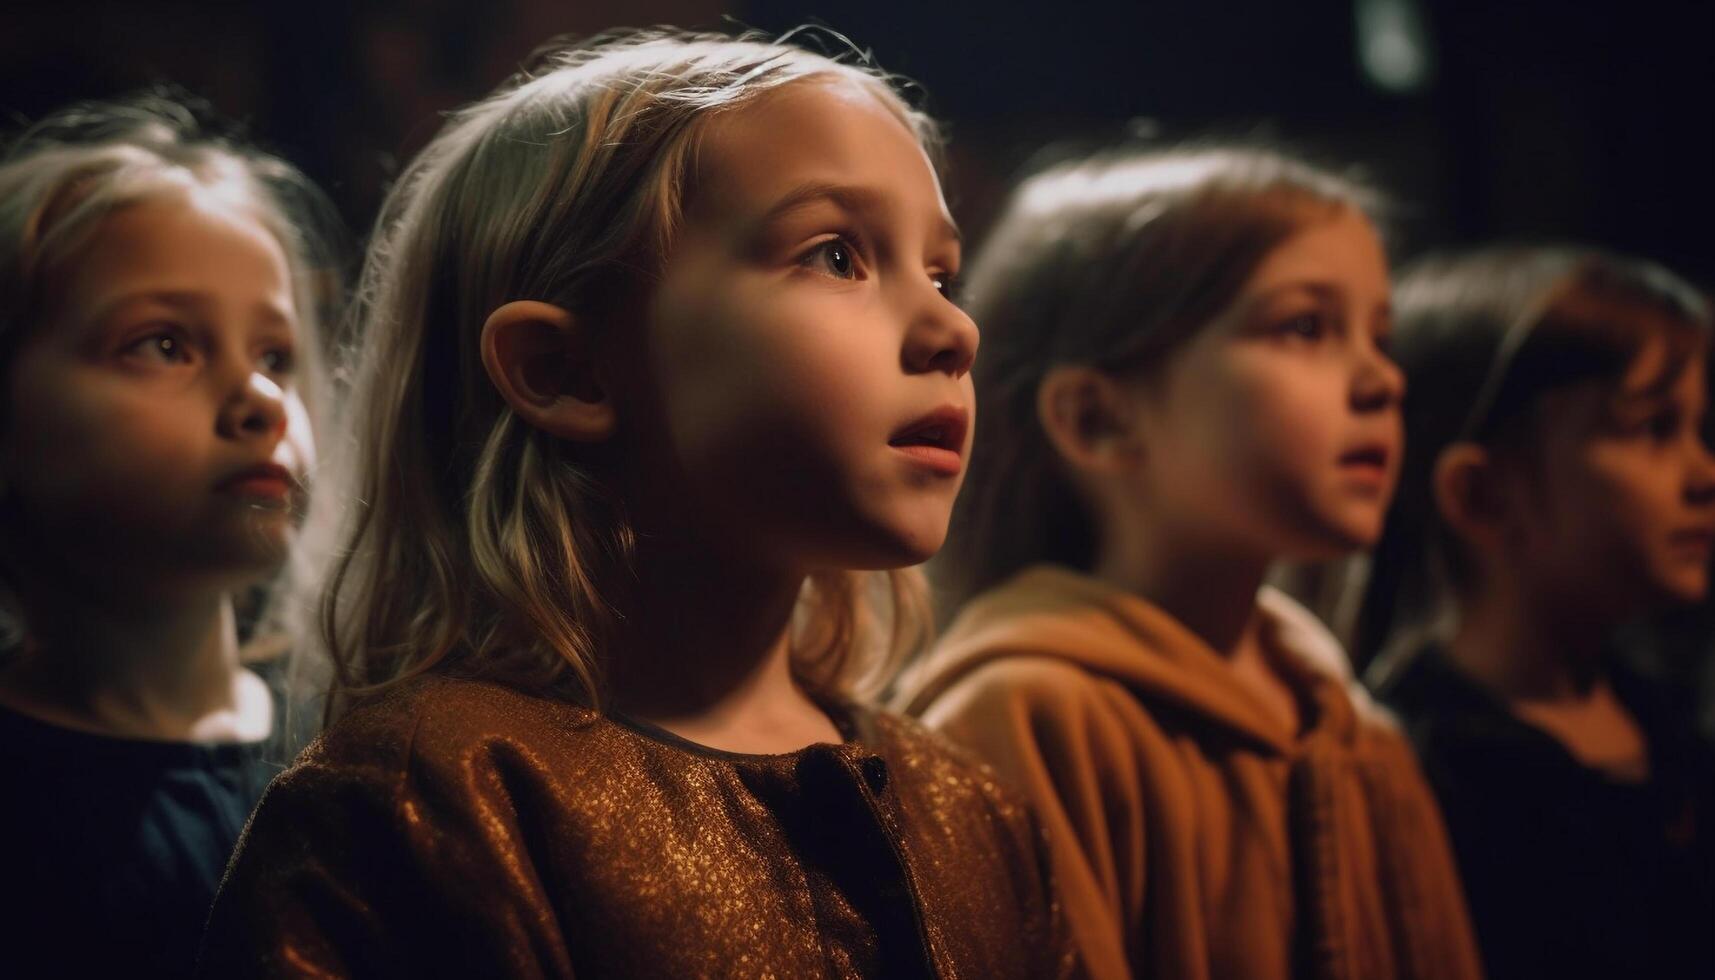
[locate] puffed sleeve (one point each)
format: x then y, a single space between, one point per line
373 858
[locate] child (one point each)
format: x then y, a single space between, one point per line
1185 379
157 337
660 350
1557 485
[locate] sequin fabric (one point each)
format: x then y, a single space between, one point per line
459 828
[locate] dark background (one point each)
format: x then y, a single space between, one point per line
1532 120
1535 120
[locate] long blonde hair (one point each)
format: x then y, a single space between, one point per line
478 545
60 178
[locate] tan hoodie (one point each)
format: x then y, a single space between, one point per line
1194 836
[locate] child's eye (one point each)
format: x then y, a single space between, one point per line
278 361
1663 426
1305 326
165 347
947 284
835 257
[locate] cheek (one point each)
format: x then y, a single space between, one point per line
82 443
1639 495
1271 422
783 379
1609 512
299 442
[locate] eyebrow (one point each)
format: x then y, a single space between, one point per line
1323 290
181 298
1654 393
857 200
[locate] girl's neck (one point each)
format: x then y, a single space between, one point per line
704 651
1526 650
1212 592
166 668
1547 666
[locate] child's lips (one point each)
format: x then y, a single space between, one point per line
936 439
267 482
1367 470
1370 458
1701 539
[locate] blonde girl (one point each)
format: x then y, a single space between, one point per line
1184 381
1557 486
158 309
659 360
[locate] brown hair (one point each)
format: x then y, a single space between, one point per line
1482 336
1113 262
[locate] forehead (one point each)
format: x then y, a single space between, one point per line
1341 247
830 131
190 240
1661 368
163 232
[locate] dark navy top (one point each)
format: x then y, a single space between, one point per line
111 849
1569 872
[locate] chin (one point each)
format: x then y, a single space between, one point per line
897 553
254 561
1686 588
896 537
1332 538
1357 531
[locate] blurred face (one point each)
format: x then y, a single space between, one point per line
1625 498
811 374
153 429
1277 430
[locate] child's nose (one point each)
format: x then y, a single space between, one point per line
1700 482
256 409
942 338
1379 383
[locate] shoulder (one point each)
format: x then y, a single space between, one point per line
1043 720
1021 682
1029 674
1040 707
426 721
1437 707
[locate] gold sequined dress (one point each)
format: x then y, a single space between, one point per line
459 828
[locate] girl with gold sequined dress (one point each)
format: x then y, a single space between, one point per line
661 387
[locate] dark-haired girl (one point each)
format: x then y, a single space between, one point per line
1556 485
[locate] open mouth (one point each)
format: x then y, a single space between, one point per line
1366 457
936 440
1700 538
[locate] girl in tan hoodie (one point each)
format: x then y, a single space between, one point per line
1184 380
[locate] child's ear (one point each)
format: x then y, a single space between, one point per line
1088 418
542 362
1470 494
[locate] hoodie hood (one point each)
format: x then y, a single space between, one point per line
1050 611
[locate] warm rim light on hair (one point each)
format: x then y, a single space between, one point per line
479 545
